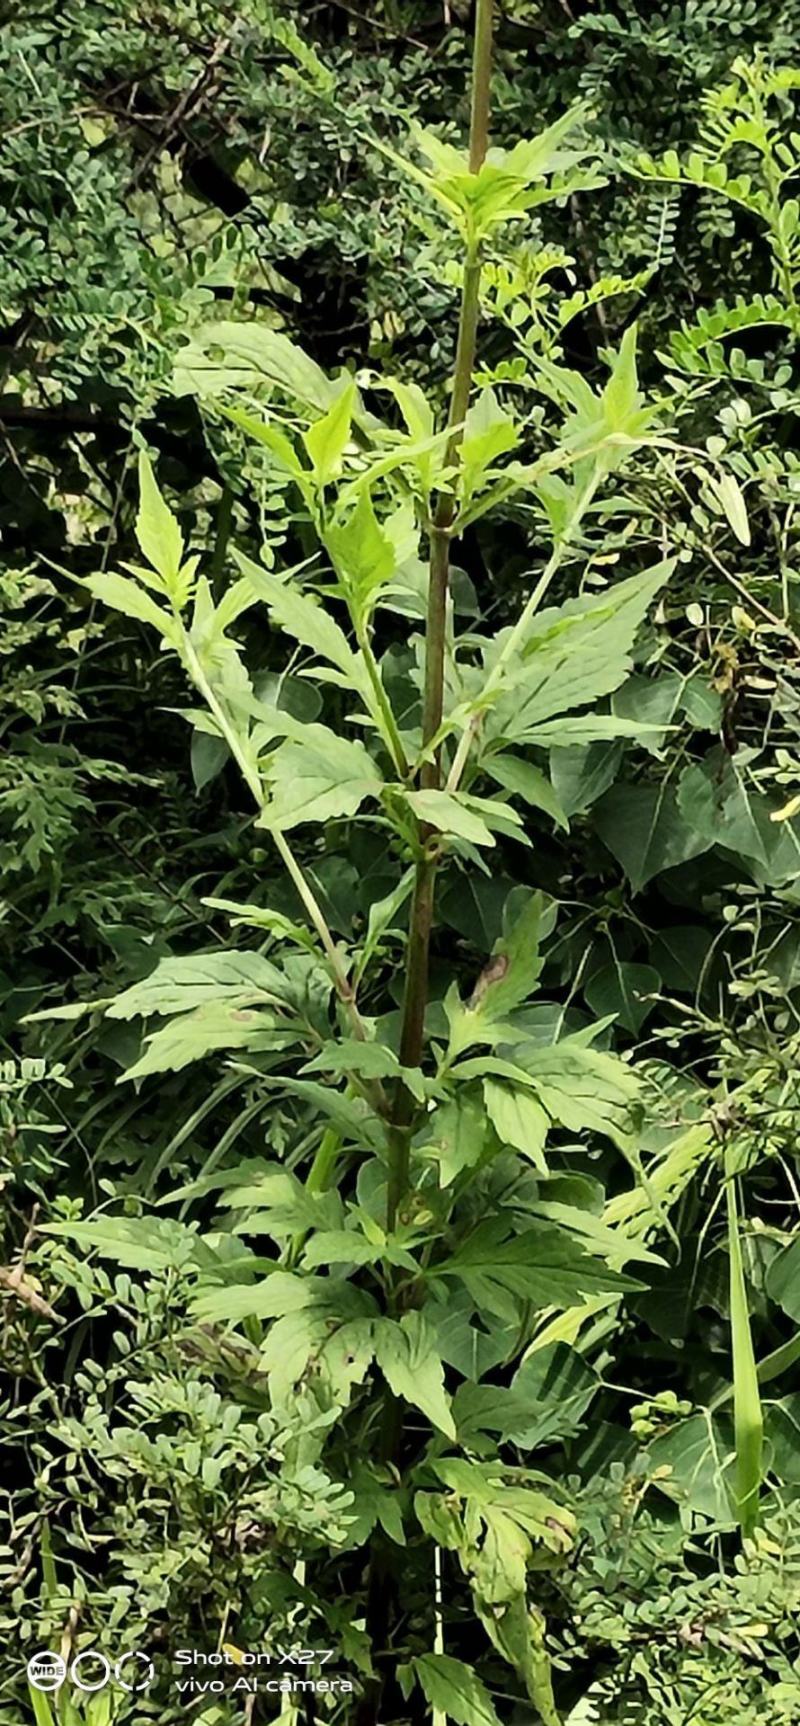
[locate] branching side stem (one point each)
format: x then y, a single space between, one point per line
252 779
392 738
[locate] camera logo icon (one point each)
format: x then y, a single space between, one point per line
47 1670
91 1671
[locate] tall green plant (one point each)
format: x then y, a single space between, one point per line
415 1229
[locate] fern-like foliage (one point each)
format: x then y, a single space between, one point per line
747 157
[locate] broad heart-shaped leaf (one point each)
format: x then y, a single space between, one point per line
157 529
473 904
556 1385
139 1243
454 1690
179 985
783 1280
224 356
541 1266
628 991
715 801
318 776
783 1438
472 1351
209 755
573 654
191 1036
645 829
699 1455
407 1355
653 699
582 772
681 955
479 1408
584 1089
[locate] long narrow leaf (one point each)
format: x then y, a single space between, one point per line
748 1418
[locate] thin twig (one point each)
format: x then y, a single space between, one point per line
188 103
778 623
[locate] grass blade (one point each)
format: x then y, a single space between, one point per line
748 1418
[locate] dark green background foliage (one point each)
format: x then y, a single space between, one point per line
166 166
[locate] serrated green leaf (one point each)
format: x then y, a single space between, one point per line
524 780
178 985
341 1352
274 1296
456 1134
157 529
628 991
139 1243
363 554
302 617
318 777
121 594
407 1355
573 655
226 355
542 1267
518 1120
327 439
584 1088
489 432
203 1031
455 1690
450 814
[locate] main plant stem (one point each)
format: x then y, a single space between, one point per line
380 1599
418 950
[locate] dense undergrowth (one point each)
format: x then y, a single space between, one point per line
433 1303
